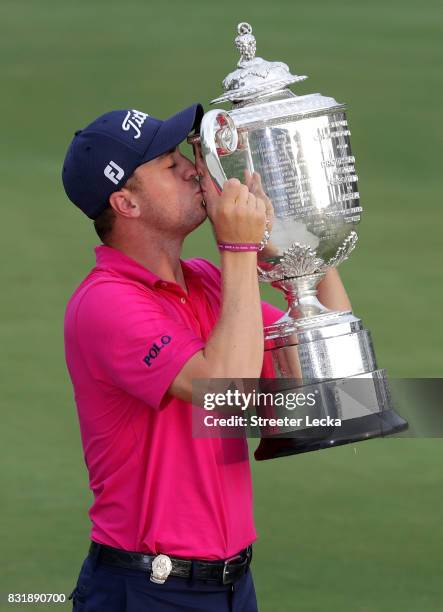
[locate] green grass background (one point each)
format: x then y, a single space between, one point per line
352 529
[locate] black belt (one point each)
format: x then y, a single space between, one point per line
225 572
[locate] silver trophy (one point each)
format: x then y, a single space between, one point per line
300 147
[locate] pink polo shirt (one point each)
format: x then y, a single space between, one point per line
156 488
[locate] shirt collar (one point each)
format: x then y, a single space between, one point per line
108 258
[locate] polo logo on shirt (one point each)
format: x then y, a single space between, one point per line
155 349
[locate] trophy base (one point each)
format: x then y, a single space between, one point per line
334 357
377 425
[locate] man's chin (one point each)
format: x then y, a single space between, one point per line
204 215
198 220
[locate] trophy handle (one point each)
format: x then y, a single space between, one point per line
218 136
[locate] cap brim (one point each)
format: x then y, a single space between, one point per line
174 130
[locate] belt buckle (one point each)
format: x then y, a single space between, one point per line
225 577
161 567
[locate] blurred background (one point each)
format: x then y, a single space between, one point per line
351 529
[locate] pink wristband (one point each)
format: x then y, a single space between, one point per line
238 246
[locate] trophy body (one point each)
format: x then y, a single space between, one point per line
300 147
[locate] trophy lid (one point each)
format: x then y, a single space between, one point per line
255 76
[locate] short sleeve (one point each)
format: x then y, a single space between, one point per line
129 340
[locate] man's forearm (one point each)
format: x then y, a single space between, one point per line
235 347
332 293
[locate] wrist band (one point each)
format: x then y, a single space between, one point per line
238 246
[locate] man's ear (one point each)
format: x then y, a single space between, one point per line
122 202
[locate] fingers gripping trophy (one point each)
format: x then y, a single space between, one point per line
298 150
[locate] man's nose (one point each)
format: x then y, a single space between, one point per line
187 167
199 162
191 172
200 166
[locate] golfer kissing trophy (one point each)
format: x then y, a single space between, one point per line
300 147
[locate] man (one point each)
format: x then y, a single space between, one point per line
172 523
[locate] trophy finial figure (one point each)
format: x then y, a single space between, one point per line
253 76
245 43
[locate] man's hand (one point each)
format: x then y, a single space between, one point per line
254 184
238 216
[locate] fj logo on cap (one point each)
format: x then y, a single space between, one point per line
113 172
134 119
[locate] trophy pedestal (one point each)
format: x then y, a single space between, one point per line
387 422
335 361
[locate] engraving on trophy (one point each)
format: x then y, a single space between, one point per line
345 170
349 196
340 133
278 159
339 180
341 123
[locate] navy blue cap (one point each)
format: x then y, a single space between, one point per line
102 157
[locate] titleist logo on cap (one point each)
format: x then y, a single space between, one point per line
134 119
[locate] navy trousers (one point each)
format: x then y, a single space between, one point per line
104 588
